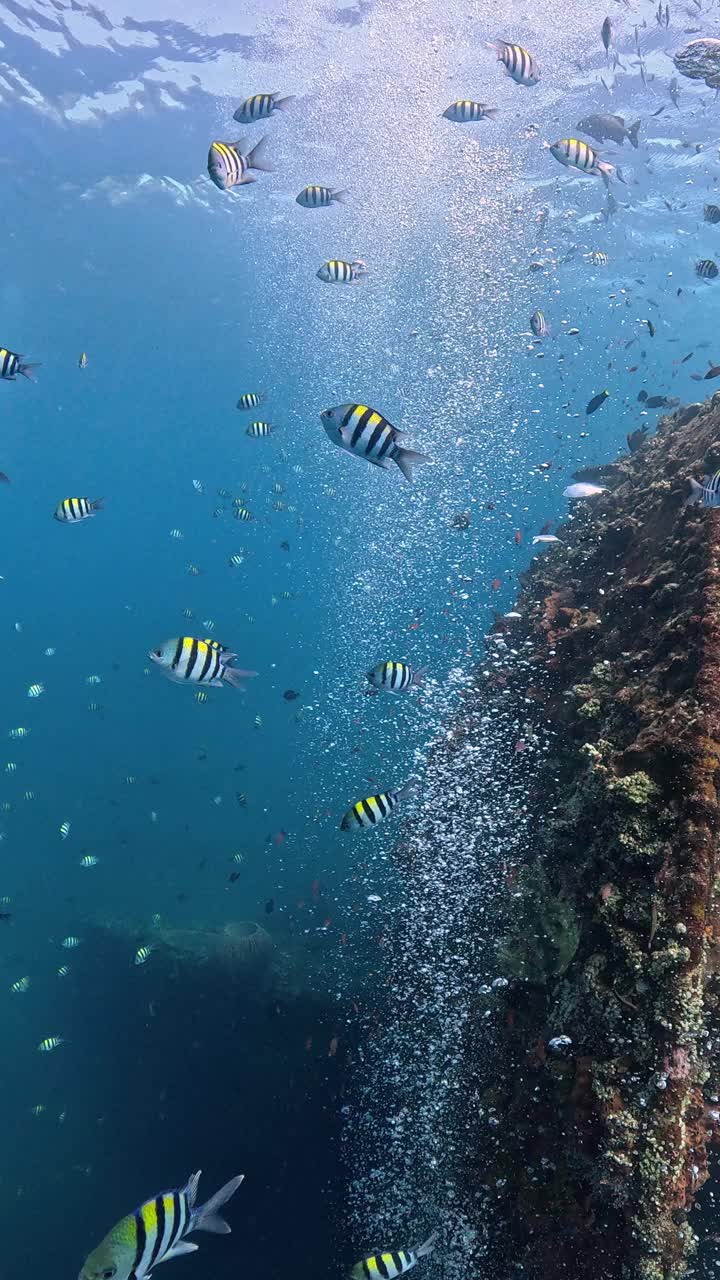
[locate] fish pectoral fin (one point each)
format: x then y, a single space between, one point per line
177 1251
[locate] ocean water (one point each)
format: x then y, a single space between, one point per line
328 1073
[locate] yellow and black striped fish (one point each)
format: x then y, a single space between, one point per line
261 106
575 154
394 677
228 166
157 1232
258 430
316 197
337 271
374 809
706 269
187 660
11 364
465 110
70 510
361 430
390 1265
251 400
518 63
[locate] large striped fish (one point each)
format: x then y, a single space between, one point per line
11 364
375 809
228 164
519 65
190 661
363 431
575 154
260 107
390 1265
156 1232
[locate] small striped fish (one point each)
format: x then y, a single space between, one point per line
374 809
337 271
707 491
539 324
258 430
11 365
228 166
361 430
49 1043
387 1266
597 258
575 154
518 63
316 197
242 513
187 660
261 106
711 213
466 110
706 269
70 510
251 399
394 677
156 1232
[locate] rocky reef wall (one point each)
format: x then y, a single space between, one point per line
601 1076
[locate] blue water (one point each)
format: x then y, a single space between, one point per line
184 297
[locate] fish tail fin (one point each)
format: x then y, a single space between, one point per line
233 676
206 1217
406 458
406 793
419 676
492 113
422 1250
695 494
606 171
24 369
633 133
256 157
281 104
342 197
97 504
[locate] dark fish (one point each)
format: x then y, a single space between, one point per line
234 875
636 439
651 328
269 906
642 396
3 478
674 91
711 213
713 371
290 695
657 402
613 127
689 356
606 34
284 546
5 916
597 401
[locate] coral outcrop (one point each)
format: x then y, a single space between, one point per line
603 1077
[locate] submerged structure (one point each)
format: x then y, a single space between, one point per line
601 1074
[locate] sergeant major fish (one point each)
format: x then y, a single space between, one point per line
390 1265
375 809
186 659
609 127
466 110
395 677
11 364
71 510
317 197
260 106
574 154
707 491
228 166
539 324
363 431
518 63
156 1232
337 271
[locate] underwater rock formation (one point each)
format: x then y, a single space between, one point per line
602 1077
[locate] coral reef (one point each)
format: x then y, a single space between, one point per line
611 943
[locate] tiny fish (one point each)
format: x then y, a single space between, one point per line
11 365
235 560
71 510
544 537
519 65
261 106
650 327
598 259
583 490
259 430
156 1232
337 271
373 810
706 269
70 943
248 400
229 168
465 110
713 371
35 690
142 955
395 677
89 860
606 34
598 400
317 197
22 984
390 1265
539 324
64 830
63 971
198 486
49 1043
242 513
711 213
363 431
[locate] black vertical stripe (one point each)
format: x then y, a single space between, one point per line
368 811
376 437
389 441
139 1244
210 654
383 806
178 652
348 415
382 1269
160 1213
398 1263
359 426
356 812
366 1269
192 660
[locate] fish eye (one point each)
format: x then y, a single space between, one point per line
108 1273
158 654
